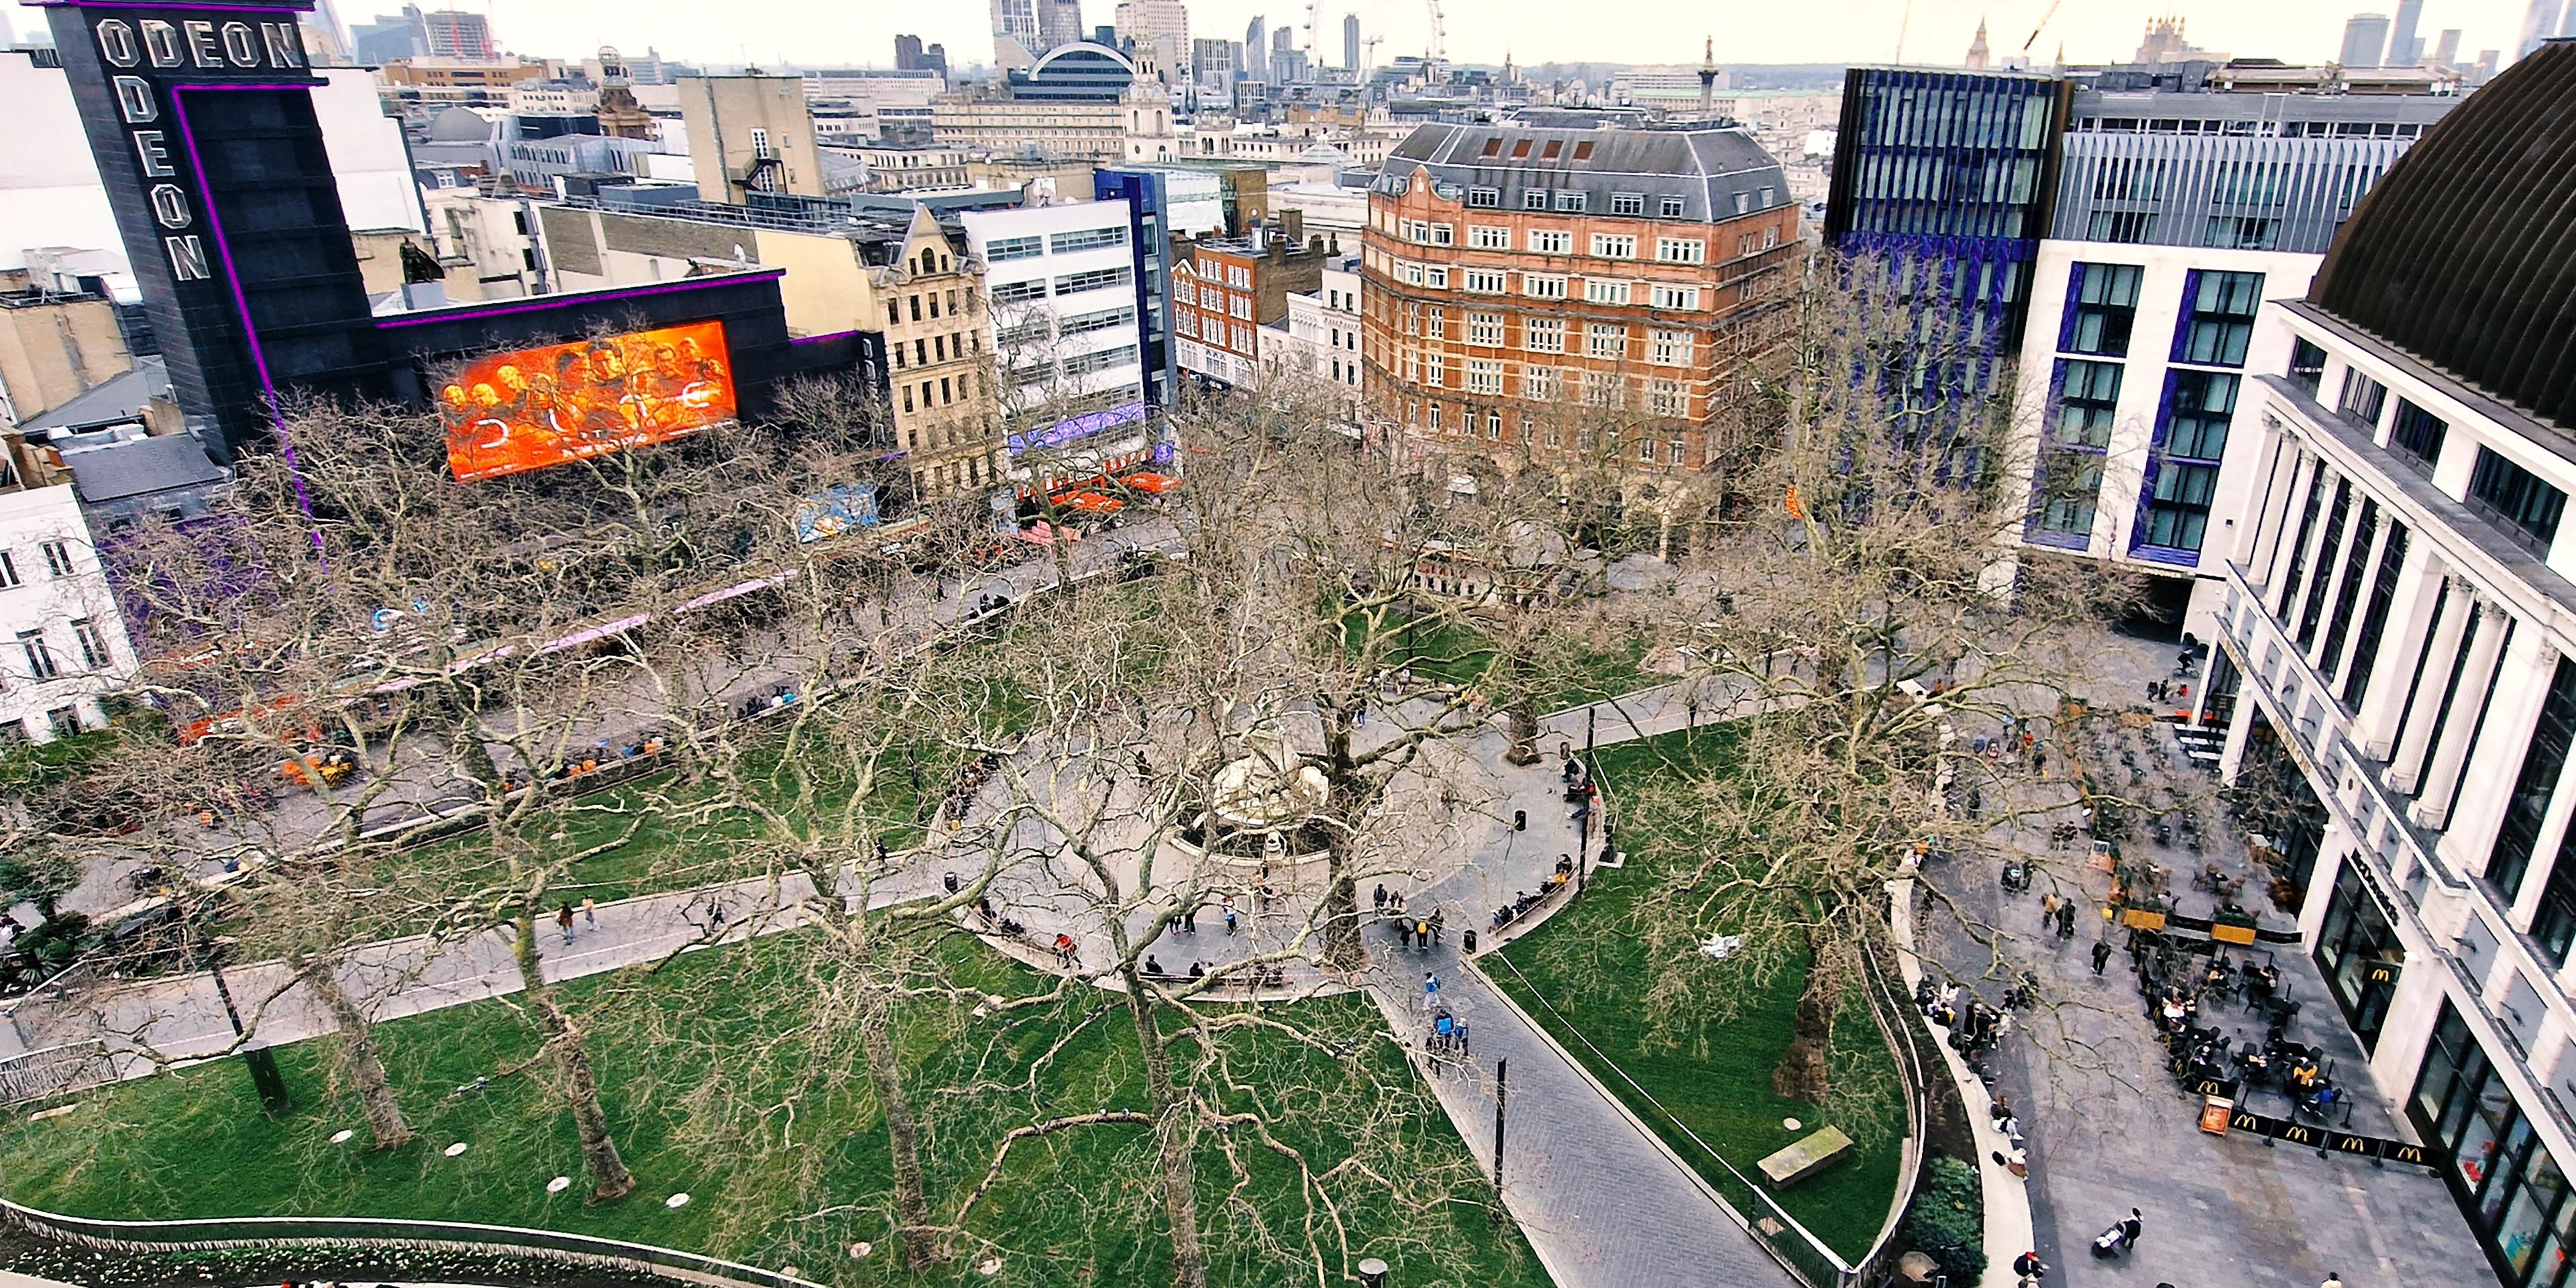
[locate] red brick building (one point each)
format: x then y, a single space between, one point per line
1511 274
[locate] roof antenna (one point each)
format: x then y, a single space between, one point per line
1901 24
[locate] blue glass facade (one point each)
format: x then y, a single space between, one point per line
2208 355
1148 204
1956 171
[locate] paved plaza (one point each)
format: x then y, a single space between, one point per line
2109 1128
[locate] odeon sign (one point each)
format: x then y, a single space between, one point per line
148 58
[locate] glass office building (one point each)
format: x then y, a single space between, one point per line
1955 168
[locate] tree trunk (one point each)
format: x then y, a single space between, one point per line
903 1137
1343 948
358 1056
608 1175
1800 1075
1520 711
1523 725
1173 1142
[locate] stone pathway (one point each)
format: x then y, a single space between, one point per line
1603 1201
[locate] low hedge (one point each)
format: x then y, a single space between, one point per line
1949 1220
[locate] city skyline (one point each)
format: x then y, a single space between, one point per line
1935 32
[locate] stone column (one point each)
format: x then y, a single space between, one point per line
2406 766
2419 586
2432 806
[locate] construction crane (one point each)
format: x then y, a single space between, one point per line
2045 15
1368 51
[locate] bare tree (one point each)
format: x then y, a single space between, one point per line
1856 622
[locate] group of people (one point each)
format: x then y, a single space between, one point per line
971 778
2056 916
754 706
1186 920
2176 988
1524 900
1974 1027
1448 1034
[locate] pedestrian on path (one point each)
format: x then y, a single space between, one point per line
563 918
2066 920
1430 990
1379 898
1459 1036
2334 1279
2048 912
2101 954
1435 925
589 912
1229 921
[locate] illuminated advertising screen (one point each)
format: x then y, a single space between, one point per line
531 408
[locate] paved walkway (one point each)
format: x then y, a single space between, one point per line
1602 1200
2108 1127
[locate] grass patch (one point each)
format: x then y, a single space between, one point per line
690 1077
1456 652
1716 1081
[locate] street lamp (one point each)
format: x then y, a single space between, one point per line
256 1056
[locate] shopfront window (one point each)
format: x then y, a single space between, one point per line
2507 1183
2358 951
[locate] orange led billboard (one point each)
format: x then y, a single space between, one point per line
531 408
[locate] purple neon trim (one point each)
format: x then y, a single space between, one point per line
538 303
250 331
231 6
828 335
315 83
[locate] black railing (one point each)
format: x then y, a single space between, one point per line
322 1233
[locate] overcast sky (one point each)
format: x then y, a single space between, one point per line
820 32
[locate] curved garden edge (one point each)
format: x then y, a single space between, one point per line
1770 1227
2007 1199
629 1262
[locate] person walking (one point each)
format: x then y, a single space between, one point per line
1229 922
563 918
589 913
2101 954
1379 899
2066 920
1459 1036
1435 925
2048 912
1430 990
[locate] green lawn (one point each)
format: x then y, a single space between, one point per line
1717 1081
1456 652
695 1094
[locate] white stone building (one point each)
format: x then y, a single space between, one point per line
1070 317
63 645
2397 629
1319 347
